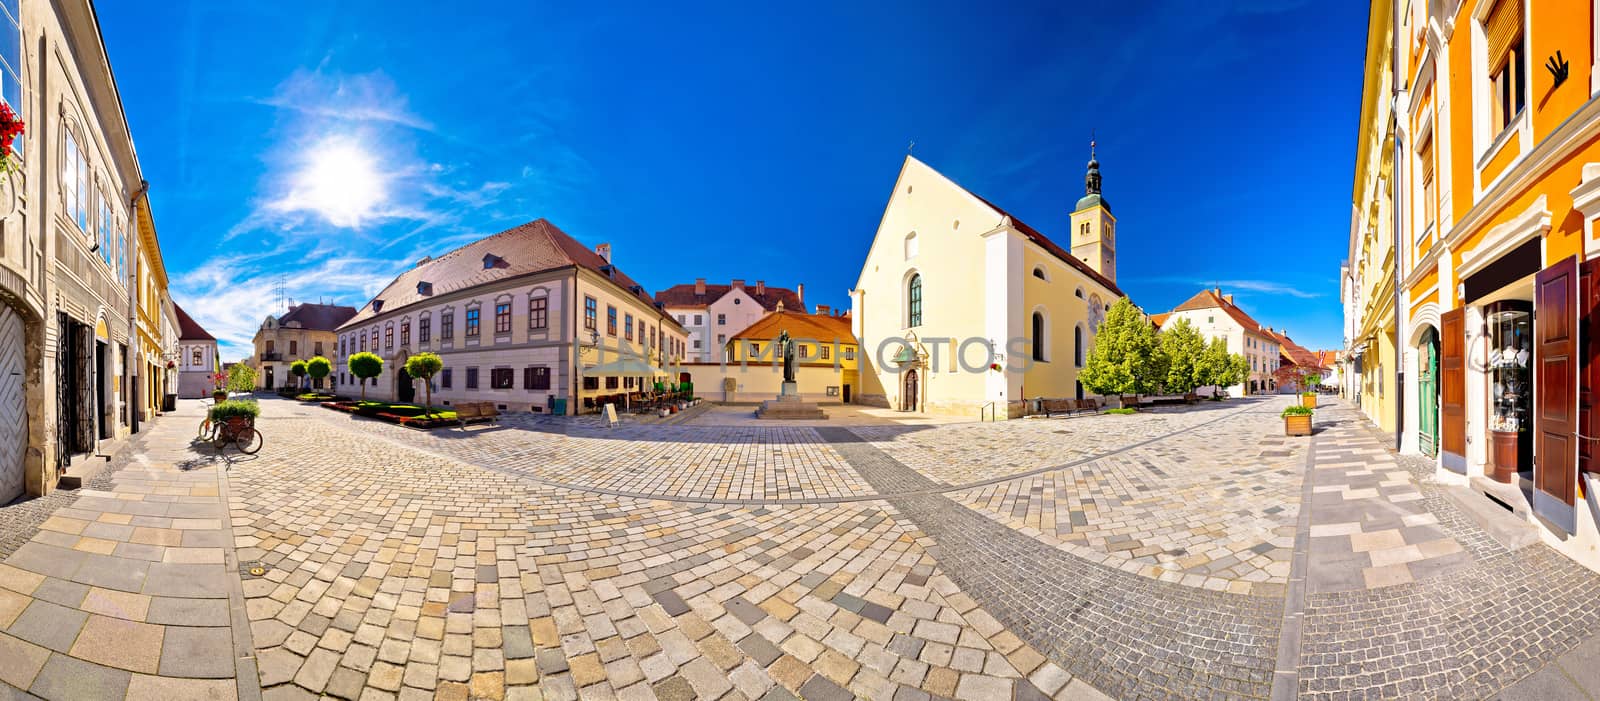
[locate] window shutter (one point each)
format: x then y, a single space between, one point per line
1502 28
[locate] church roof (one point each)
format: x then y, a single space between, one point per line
685 296
1094 200
822 328
1044 242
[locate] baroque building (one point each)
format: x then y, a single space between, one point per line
304 332
963 309
516 317
712 313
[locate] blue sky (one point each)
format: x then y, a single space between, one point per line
326 148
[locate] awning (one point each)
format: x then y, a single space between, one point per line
624 367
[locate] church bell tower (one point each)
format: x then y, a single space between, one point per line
1093 227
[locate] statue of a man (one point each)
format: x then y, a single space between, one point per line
786 344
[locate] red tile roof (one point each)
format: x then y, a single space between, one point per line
815 327
317 317
535 247
188 328
1159 320
1210 299
685 296
1296 353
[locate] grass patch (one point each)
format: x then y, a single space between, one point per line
315 397
1124 411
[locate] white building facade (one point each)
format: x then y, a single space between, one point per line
713 314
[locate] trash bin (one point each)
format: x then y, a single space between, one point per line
558 406
169 402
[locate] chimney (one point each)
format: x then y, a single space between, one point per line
1216 291
424 261
699 285
1228 297
800 291
604 251
761 287
738 284
822 310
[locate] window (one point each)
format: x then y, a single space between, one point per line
825 352
641 329
611 320
611 383
294 348
652 338
591 383
424 329
538 312
588 313
444 378
802 351
699 319
680 318
11 60
911 245
627 326
472 378
405 333
341 345
1078 292
1038 336
1038 272
102 227
317 348
502 318
914 301
722 319
755 349
447 326
536 378
196 357
75 184
1077 346
500 378
1508 91
388 337
1430 193
363 344
472 323
697 344
722 339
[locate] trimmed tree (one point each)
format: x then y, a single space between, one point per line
319 367
424 366
1183 346
1126 357
365 366
298 369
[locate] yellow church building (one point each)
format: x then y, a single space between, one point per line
962 309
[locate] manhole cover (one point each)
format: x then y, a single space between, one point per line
254 569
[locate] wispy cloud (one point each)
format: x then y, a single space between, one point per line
1266 287
360 98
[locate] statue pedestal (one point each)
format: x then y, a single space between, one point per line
789 405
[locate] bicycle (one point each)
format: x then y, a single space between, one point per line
208 429
243 436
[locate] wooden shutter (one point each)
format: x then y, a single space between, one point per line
1452 384
1555 392
1502 28
1588 369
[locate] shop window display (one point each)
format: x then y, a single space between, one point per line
1510 366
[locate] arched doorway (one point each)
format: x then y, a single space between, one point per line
1428 393
908 398
407 390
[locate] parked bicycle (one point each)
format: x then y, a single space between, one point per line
232 422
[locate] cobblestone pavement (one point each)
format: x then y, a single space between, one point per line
127 588
1146 556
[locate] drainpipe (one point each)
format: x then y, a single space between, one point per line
134 380
1397 229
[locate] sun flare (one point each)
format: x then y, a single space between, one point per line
341 182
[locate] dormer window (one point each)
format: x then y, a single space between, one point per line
424 288
491 260
377 306
609 270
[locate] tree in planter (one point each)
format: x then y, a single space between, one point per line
1183 345
365 366
424 366
1126 357
298 369
319 367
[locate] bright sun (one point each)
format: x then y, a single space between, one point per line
340 182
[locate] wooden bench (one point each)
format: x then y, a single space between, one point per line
472 412
1051 407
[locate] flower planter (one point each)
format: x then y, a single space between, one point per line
1308 400
1297 425
219 396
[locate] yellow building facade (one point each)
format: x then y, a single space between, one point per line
1369 289
827 361
963 309
1498 172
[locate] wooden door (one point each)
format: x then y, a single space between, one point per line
13 408
1555 393
1453 389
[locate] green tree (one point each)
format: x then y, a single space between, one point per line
319 367
298 369
241 378
1126 357
424 366
365 366
1183 345
1219 369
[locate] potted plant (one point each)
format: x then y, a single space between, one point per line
1297 420
1308 400
235 414
219 382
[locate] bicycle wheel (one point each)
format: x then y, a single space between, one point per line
206 429
248 441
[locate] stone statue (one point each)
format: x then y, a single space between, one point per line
786 344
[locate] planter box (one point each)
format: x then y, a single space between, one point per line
1309 400
1297 425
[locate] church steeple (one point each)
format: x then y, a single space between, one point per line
1093 226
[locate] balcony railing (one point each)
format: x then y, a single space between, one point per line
271 355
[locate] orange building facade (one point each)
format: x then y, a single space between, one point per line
1497 196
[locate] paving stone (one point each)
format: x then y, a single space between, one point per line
188 651
50 625
65 677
